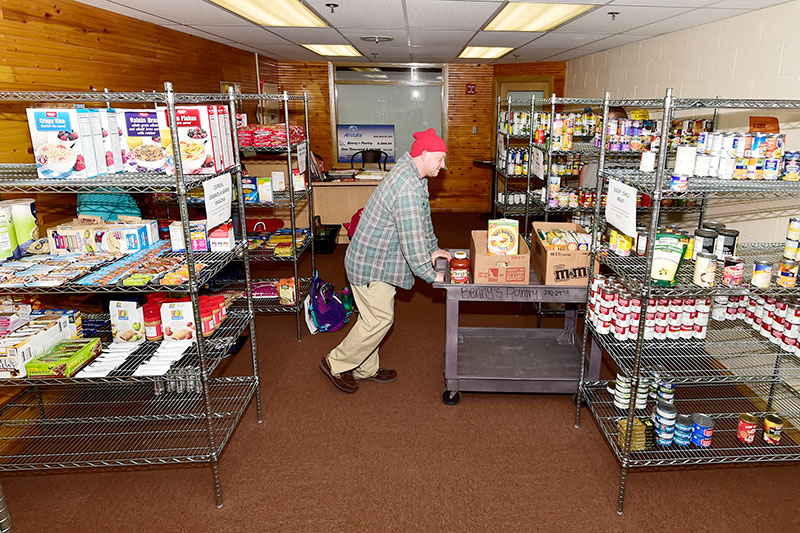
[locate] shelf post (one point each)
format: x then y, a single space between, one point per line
290 184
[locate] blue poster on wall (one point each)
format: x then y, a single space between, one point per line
352 138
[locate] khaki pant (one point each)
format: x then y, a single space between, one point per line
359 350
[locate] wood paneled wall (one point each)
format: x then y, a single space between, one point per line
312 78
557 70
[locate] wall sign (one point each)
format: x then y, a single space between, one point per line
354 137
472 89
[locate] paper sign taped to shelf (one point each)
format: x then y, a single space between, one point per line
640 114
218 194
302 157
621 207
538 164
764 125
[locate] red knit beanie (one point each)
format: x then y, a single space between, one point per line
427 140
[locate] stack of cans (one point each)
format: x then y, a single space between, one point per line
702 430
683 430
643 436
664 415
662 385
775 319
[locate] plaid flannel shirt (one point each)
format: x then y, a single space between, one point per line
394 239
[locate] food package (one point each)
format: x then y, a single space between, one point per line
127 321
198 134
503 237
65 358
177 321
264 187
140 141
62 143
112 150
286 291
250 190
668 255
197 232
221 238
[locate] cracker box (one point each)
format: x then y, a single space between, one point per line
64 359
140 141
112 150
127 321
559 267
198 135
62 143
177 321
498 269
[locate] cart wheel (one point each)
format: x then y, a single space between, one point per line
575 400
450 397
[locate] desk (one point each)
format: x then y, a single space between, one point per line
337 201
543 360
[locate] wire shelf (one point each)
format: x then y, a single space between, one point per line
631 272
538 205
269 304
524 136
281 199
515 176
261 254
708 187
637 102
734 103
111 425
723 402
247 150
731 352
131 97
577 148
269 97
24 178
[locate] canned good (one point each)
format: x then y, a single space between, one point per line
772 168
679 183
726 243
746 431
791 170
702 429
762 274
790 249
727 166
705 269
793 231
787 273
716 226
773 427
733 271
685 159
699 440
704 240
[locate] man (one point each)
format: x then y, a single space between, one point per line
393 243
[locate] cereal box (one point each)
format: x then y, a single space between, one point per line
140 141
127 321
198 135
226 133
503 237
112 151
96 125
62 143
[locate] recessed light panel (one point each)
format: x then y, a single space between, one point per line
285 13
526 16
338 50
484 52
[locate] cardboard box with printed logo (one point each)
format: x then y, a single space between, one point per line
563 268
498 269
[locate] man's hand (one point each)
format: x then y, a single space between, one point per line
439 277
440 253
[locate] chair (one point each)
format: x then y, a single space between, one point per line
370 156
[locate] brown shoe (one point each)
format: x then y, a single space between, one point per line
383 375
344 381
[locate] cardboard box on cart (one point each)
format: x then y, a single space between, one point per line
559 267
498 269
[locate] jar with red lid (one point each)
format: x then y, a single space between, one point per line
152 322
459 268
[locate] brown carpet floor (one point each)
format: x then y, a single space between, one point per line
393 457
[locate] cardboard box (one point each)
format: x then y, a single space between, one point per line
127 321
555 267
65 358
112 151
63 145
197 233
177 320
498 269
198 134
140 141
222 238
276 170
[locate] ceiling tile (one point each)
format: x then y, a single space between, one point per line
613 41
504 38
297 53
128 12
244 34
355 34
310 35
437 50
187 12
361 13
528 54
691 19
565 40
197 33
572 54
599 21
449 14
453 38
748 4
663 3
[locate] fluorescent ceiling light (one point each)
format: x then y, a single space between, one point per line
519 16
484 52
274 12
333 49
377 76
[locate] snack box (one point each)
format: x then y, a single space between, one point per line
127 321
264 186
74 318
17 349
97 140
498 269
140 141
197 232
566 268
222 238
112 150
198 137
177 321
65 358
62 143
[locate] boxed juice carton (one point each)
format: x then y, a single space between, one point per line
127 321
198 138
567 268
140 141
112 150
97 140
65 358
177 321
503 237
496 269
222 238
62 143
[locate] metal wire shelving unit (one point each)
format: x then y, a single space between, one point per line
734 370
121 419
290 199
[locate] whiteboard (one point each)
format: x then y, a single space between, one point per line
408 108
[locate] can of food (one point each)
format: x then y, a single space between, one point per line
740 170
733 271
790 249
762 274
793 230
715 143
701 164
746 431
758 147
679 182
727 166
791 168
705 269
773 427
726 244
787 273
772 167
741 145
702 428
704 240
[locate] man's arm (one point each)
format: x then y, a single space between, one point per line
412 231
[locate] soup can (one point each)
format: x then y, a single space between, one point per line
791 170
746 430
727 239
787 273
705 269
733 271
704 240
793 231
790 249
762 274
773 427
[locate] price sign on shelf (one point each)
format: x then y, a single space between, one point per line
302 156
621 207
218 193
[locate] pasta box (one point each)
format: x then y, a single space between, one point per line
198 136
140 141
62 142
498 269
567 268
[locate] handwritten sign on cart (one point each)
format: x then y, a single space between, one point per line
621 207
